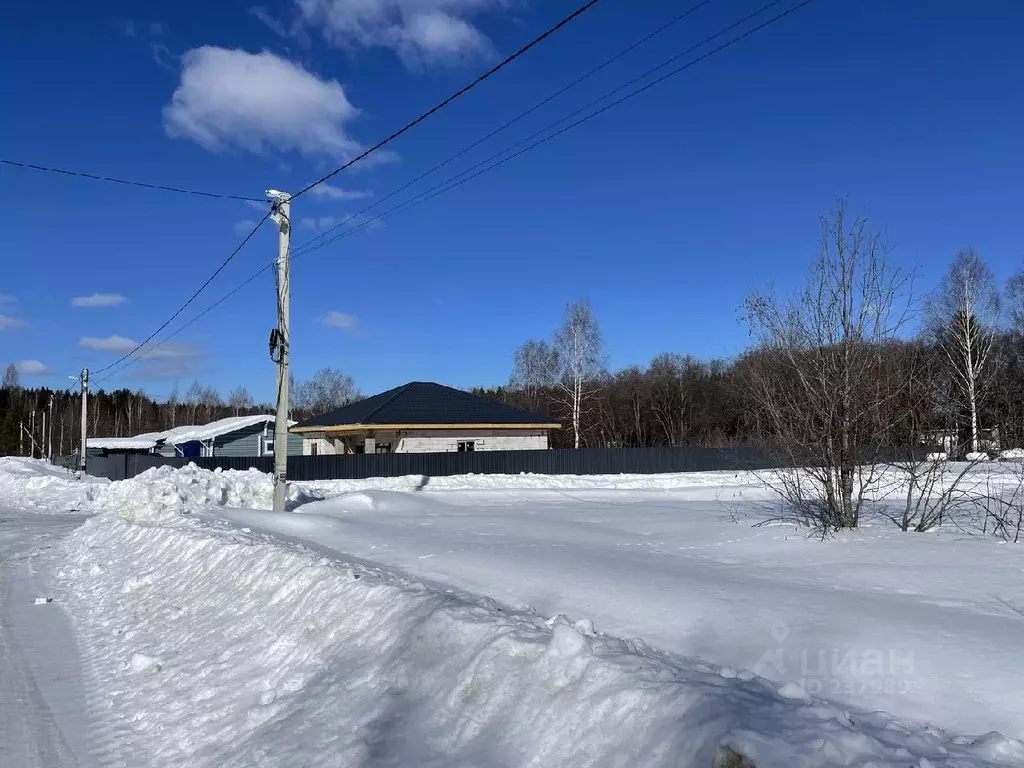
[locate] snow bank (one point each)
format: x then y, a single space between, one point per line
1012 454
37 485
222 647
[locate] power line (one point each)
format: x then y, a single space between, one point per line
462 91
468 172
508 124
202 314
191 298
128 182
459 179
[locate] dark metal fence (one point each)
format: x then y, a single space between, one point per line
568 461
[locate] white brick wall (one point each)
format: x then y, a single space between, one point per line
442 440
324 446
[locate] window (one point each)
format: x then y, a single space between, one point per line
267 446
314 449
383 447
466 446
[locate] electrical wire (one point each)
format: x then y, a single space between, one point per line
508 124
191 298
461 92
461 178
468 172
128 182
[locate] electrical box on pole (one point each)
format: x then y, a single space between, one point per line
280 339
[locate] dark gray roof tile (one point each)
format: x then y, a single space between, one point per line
424 402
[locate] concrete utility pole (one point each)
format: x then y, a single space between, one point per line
42 438
49 434
279 343
85 412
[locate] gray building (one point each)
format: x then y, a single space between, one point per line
235 436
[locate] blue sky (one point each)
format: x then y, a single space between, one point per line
664 212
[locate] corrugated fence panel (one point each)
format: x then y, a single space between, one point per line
566 461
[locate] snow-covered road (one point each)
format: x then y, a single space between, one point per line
43 721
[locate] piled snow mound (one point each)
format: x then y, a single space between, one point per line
159 494
221 647
976 456
37 485
1012 454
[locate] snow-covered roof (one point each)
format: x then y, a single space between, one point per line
183 434
142 442
187 434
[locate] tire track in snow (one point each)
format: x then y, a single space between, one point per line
41 700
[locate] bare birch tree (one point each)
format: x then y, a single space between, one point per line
11 377
239 400
328 389
578 345
534 367
817 375
193 398
172 406
963 316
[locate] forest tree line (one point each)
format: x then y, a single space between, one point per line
854 346
126 412
947 371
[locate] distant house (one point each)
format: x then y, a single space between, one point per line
423 417
236 436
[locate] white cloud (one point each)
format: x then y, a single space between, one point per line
164 57
244 227
9 323
420 31
232 98
322 223
340 320
328 192
115 343
278 27
98 300
150 369
32 368
345 223
8 299
121 345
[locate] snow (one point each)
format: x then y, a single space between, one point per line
44 720
976 456
121 443
1012 454
190 433
920 625
549 621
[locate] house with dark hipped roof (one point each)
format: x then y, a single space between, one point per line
423 417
